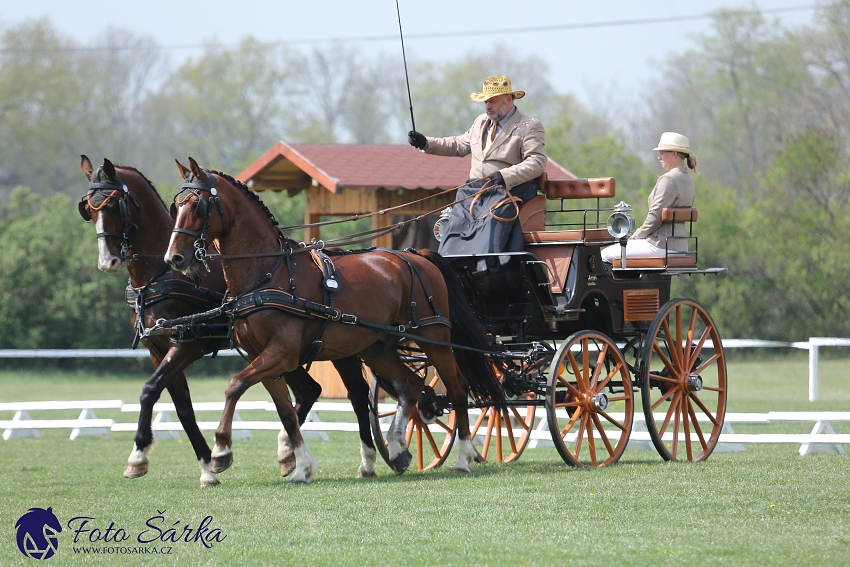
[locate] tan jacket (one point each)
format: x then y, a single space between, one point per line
673 189
518 150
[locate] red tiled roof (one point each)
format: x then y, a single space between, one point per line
373 166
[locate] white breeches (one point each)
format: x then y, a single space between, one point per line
637 248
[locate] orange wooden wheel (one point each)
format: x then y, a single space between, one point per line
589 400
502 434
429 438
683 381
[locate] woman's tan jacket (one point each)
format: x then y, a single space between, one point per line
518 150
673 189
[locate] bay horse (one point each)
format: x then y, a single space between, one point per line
133 226
277 311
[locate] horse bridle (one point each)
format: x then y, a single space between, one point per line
103 192
194 186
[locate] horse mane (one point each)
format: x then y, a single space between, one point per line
145 177
248 190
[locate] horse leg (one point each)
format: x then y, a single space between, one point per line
267 366
306 392
179 390
387 365
168 366
456 389
351 371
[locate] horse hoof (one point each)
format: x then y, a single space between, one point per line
400 463
206 483
135 471
365 474
460 471
221 464
287 465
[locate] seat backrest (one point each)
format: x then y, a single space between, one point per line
532 214
596 188
679 214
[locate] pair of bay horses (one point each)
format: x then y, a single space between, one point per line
378 290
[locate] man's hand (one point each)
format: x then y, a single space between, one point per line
417 140
497 178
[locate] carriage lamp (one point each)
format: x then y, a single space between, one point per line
621 224
440 225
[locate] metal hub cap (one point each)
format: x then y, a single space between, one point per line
694 383
600 401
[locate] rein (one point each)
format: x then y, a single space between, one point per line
356 238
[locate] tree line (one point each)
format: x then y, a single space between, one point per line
766 108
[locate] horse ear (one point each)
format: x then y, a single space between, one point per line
197 171
86 166
109 169
173 211
184 171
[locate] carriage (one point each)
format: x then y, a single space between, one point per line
576 339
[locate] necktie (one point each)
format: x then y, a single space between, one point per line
493 130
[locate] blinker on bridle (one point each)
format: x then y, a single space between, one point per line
99 195
194 186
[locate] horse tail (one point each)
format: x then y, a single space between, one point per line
467 331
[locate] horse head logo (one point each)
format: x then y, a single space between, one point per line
38 533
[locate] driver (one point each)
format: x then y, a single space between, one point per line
673 189
507 146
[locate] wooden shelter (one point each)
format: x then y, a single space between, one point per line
353 179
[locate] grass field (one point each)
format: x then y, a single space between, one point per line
766 506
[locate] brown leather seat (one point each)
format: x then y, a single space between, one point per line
532 214
672 261
591 235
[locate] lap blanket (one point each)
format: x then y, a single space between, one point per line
481 232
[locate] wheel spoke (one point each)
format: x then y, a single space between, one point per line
698 348
676 405
420 450
706 411
671 348
600 361
576 370
667 417
511 440
664 398
657 349
579 436
569 386
602 434
408 435
478 422
386 414
444 425
614 372
685 425
707 363
497 429
591 444
697 428
692 327
520 419
619 398
613 421
569 425
661 378
679 337
431 441
585 364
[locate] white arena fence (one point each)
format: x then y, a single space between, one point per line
821 438
812 345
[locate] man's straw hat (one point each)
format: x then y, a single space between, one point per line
494 86
673 142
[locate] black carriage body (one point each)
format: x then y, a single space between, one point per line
520 298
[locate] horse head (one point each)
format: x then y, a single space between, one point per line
110 205
194 219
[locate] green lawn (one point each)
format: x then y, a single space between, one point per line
766 506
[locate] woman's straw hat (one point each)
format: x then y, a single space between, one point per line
673 142
494 86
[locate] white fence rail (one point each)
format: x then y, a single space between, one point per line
821 438
812 345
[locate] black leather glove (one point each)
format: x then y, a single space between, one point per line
416 140
497 178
